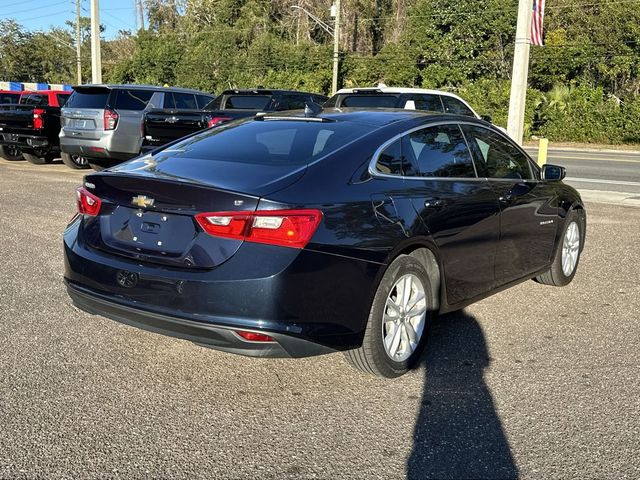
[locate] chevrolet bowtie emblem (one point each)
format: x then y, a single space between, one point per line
142 201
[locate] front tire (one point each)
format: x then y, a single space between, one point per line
77 162
567 257
400 313
11 153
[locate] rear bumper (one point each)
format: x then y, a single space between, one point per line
205 334
310 302
102 156
28 142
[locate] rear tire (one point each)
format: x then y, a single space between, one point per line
567 258
396 331
77 162
37 160
11 153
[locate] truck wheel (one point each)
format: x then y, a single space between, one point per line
77 162
10 152
565 263
402 308
36 159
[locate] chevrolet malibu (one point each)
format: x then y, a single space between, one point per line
298 234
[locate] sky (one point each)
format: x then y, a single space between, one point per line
41 14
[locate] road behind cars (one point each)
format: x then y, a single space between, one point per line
534 381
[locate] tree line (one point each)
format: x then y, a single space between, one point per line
584 83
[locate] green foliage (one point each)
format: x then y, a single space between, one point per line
591 57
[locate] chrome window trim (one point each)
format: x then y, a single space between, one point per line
376 156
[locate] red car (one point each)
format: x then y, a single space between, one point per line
31 127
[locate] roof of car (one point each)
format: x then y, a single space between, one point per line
266 91
155 88
376 117
394 90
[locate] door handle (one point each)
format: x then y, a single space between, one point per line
436 203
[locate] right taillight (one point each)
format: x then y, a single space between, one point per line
88 203
38 120
215 121
287 228
110 119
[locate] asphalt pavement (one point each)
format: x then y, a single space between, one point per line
535 382
602 170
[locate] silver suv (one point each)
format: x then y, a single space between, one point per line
102 124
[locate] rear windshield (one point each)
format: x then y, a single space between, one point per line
62 99
88 98
247 102
373 101
9 98
270 142
35 99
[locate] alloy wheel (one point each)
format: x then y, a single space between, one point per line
570 249
404 317
80 160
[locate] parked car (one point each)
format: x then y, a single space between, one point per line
9 96
102 124
162 126
395 97
31 127
298 234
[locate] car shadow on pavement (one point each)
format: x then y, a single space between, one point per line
458 434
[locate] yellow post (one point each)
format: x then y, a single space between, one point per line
543 146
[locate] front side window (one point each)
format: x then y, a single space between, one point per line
185 101
439 151
497 157
455 106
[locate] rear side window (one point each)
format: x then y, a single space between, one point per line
132 99
426 102
88 98
496 156
185 100
269 142
9 98
62 99
248 102
370 101
35 100
203 100
439 151
455 106
390 160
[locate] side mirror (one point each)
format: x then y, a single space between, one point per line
486 118
553 173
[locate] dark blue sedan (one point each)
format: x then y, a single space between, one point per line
300 234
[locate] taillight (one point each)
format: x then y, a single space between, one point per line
88 203
287 228
110 119
255 337
215 121
38 120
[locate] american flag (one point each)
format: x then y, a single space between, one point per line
536 22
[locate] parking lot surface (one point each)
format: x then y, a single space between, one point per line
535 382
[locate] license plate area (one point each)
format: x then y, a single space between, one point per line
146 231
81 124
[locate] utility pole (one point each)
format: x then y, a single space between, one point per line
336 46
141 14
78 42
96 59
135 15
517 101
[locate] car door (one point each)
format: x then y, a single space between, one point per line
528 207
458 210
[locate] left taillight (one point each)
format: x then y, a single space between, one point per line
38 118
88 203
287 228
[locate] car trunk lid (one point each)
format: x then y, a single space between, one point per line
152 220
